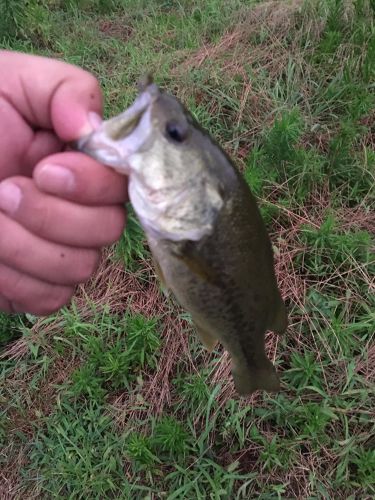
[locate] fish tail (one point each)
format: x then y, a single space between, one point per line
249 379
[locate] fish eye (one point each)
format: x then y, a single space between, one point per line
178 132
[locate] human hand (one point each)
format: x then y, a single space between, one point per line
57 209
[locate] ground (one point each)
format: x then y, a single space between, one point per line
114 396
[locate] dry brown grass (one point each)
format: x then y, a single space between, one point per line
253 50
119 29
235 49
111 285
23 417
118 290
10 477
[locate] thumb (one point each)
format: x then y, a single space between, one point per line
50 94
76 107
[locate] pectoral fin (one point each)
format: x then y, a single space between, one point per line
185 252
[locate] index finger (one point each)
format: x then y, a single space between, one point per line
88 182
50 94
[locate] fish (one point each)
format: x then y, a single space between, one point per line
208 241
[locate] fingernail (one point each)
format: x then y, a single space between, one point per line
10 197
94 120
55 179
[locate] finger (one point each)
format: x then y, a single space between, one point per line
23 293
21 147
59 220
50 94
5 305
42 144
44 260
76 177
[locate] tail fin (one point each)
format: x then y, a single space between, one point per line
249 379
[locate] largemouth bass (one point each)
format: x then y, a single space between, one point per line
203 226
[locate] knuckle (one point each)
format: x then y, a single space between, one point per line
41 219
11 284
6 251
35 209
10 252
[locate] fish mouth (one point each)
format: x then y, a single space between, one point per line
119 137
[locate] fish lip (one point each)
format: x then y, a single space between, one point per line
97 146
106 143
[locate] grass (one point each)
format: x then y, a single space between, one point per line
114 397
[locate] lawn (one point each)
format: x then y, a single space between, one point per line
114 396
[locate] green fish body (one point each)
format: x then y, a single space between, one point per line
205 231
